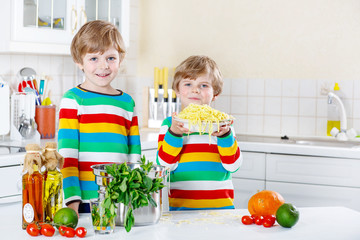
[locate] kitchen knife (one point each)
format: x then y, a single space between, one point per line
165 96
156 91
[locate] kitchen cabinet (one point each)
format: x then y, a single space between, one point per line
249 179
314 181
10 177
44 26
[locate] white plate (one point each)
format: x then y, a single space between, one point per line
204 126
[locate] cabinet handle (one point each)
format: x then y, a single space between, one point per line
73 15
83 13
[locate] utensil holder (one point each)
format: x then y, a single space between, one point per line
23 107
45 119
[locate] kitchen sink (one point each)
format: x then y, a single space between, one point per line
328 143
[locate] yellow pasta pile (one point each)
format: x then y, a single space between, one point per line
203 115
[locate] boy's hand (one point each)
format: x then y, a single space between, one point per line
222 130
177 127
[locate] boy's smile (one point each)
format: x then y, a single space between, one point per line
100 70
198 91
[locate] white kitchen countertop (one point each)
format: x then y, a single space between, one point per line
315 223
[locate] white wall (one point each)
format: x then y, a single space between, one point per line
308 39
275 55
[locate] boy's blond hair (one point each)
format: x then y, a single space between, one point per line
195 66
96 36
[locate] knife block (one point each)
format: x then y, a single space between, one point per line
160 110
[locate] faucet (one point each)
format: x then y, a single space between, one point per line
343 134
343 120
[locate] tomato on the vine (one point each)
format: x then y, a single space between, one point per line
32 229
247 220
47 230
69 232
259 220
62 230
81 232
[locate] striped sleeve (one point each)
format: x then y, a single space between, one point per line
169 146
229 151
134 138
68 143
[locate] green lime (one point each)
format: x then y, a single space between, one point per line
66 217
287 215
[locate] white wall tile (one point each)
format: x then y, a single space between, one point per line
239 105
17 63
44 65
223 103
272 106
321 107
272 125
273 87
347 88
5 63
307 107
290 106
356 89
289 126
307 126
240 124
226 87
356 113
321 126
239 87
308 88
31 61
290 88
255 124
256 87
255 105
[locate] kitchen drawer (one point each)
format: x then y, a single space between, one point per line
253 166
306 195
313 170
10 178
244 189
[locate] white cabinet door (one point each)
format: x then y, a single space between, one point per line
45 26
244 189
313 170
253 166
10 178
306 195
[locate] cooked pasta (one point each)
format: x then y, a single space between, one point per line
202 116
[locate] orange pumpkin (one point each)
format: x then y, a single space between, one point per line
265 203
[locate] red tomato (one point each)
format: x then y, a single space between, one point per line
62 230
81 232
32 229
247 220
268 223
69 232
258 220
47 230
270 218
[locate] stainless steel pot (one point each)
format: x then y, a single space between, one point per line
145 215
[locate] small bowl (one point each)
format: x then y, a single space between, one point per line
205 128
